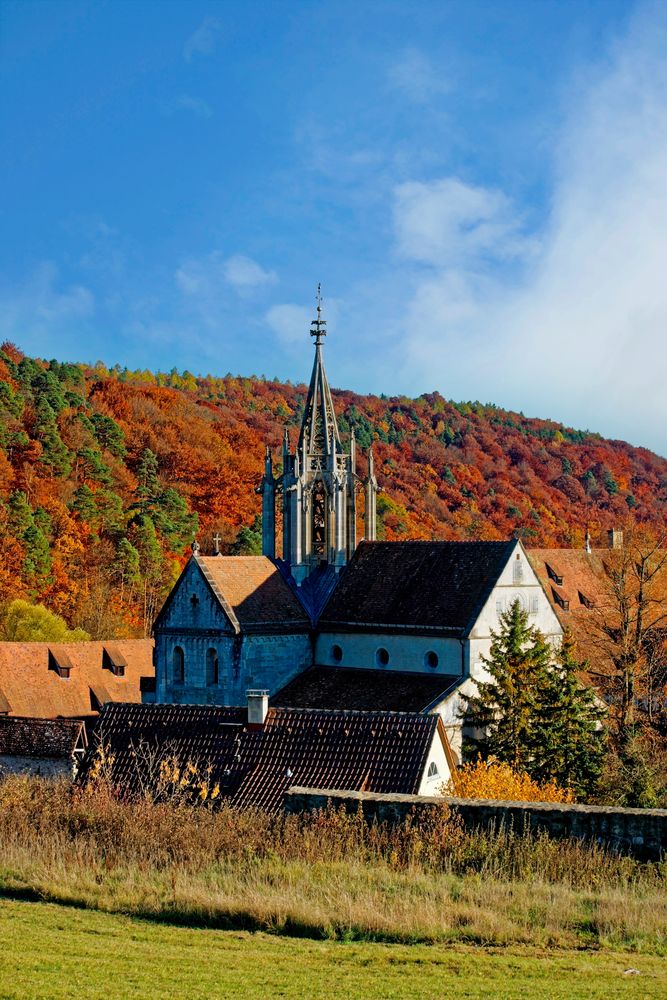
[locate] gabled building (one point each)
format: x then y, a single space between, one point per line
333 624
253 755
229 624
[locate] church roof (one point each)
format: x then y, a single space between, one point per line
71 679
253 592
371 751
41 738
416 585
364 690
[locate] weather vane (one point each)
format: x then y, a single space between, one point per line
318 326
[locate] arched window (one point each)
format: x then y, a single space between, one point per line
517 570
432 770
336 653
431 659
212 668
381 657
319 522
178 665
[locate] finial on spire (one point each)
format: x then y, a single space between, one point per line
317 327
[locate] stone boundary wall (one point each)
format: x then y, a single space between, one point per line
641 832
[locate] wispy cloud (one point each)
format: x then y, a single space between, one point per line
447 222
195 105
289 322
414 75
245 274
203 40
578 331
38 312
206 276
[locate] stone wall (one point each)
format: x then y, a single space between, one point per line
41 767
642 832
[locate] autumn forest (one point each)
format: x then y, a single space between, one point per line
107 475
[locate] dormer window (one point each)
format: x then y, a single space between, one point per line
553 575
586 601
60 662
561 601
113 660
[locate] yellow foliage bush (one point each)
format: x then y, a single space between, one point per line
493 779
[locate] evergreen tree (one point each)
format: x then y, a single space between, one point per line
147 474
505 708
573 743
249 540
83 504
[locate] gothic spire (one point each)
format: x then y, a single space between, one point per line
318 428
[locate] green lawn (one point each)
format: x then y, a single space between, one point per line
53 952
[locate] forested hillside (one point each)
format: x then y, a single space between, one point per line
105 477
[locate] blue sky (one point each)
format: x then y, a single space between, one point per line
480 187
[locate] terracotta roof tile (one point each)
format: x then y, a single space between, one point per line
255 591
33 690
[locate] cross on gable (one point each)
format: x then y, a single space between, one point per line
217 538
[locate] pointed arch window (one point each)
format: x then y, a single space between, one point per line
178 665
212 668
319 521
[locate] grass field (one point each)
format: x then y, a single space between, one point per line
328 876
55 952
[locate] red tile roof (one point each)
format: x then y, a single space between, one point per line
375 751
252 592
31 689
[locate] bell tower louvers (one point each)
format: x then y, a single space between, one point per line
319 484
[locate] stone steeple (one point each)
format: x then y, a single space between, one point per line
319 484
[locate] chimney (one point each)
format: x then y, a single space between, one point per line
615 538
258 706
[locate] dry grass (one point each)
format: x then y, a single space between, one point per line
328 875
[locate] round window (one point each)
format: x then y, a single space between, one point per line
431 659
336 653
382 657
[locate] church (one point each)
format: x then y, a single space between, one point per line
337 623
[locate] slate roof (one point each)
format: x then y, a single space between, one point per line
375 751
31 689
51 739
415 585
364 690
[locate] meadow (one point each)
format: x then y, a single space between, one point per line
327 876
59 952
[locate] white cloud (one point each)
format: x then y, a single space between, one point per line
448 222
290 322
579 332
207 276
414 75
202 41
244 273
